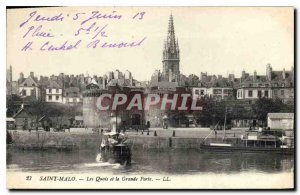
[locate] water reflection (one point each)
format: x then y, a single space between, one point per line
172 162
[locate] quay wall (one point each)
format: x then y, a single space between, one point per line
42 139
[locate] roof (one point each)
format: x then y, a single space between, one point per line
93 81
281 115
10 119
53 85
164 85
44 118
72 92
78 118
20 111
29 82
278 75
119 82
259 79
92 86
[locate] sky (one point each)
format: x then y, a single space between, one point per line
216 40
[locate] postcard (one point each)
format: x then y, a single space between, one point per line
150 98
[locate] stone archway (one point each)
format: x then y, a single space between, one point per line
135 119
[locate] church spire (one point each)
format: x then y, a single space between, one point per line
171 53
171 26
171 40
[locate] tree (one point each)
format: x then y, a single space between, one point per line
263 106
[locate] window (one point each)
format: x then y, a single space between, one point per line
24 92
50 97
25 84
197 91
57 97
57 90
33 85
259 94
266 93
250 85
259 85
282 85
250 93
50 91
266 85
202 92
282 92
275 92
74 100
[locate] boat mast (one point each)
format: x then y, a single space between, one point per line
213 130
117 119
224 128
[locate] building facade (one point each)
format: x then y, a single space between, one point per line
54 92
281 120
273 85
29 87
72 95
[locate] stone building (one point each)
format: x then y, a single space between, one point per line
72 95
29 87
94 117
166 82
275 84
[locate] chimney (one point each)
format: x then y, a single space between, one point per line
254 76
283 73
10 74
104 82
21 78
243 74
269 72
32 74
131 81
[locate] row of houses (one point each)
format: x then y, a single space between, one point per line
273 85
62 88
28 118
50 92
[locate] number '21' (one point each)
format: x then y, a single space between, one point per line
140 14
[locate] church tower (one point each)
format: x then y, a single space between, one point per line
171 55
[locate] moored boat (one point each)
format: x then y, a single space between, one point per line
256 141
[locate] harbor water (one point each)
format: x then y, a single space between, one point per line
177 161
